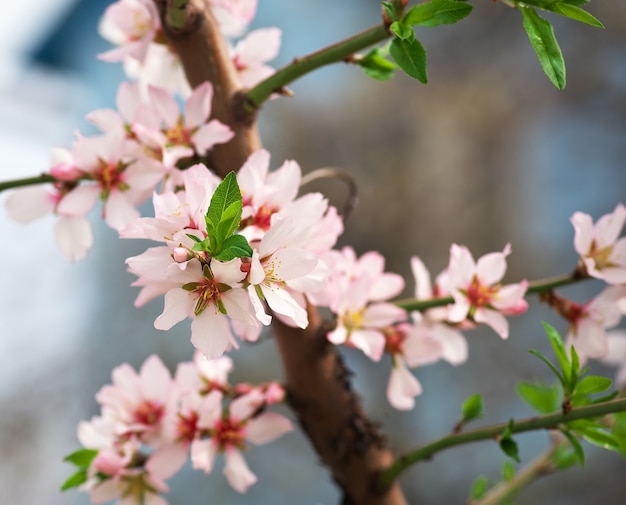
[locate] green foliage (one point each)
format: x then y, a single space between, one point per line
376 65
81 459
479 488
472 408
507 444
542 39
508 470
401 30
222 219
544 399
437 12
410 56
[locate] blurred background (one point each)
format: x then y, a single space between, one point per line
487 153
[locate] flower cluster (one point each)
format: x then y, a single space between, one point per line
134 26
270 254
151 423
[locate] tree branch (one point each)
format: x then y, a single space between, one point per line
316 379
550 421
30 181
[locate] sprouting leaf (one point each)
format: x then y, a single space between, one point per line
507 444
75 480
437 12
82 457
542 398
224 214
410 56
390 9
594 433
542 39
559 349
593 384
479 488
508 470
401 30
235 246
575 13
376 66
578 449
550 364
472 408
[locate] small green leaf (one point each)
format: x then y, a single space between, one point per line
224 214
574 370
437 12
575 13
376 66
82 457
542 398
75 480
578 449
401 30
559 349
507 444
541 36
595 433
508 470
235 246
472 408
390 9
479 488
410 56
564 457
550 364
202 245
593 384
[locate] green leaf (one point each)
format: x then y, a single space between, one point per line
508 470
550 364
472 408
224 214
595 433
410 56
541 36
575 13
376 66
593 384
564 457
202 245
437 12
559 349
574 371
507 444
479 488
390 9
75 480
235 246
82 457
542 398
578 449
401 30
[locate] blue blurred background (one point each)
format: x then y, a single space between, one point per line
487 153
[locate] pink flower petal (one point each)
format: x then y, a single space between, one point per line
27 204
198 105
267 427
203 454
210 134
402 387
179 305
79 201
497 321
491 267
583 232
74 237
210 333
423 287
237 472
167 460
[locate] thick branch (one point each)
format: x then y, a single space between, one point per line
318 389
205 57
316 379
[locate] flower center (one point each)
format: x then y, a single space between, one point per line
229 434
601 257
187 426
109 176
394 338
148 412
480 295
179 135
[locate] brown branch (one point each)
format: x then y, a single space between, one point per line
205 57
316 378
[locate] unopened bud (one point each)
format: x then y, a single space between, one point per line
65 172
180 255
274 393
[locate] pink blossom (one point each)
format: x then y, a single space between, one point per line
233 16
599 245
132 25
251 53
616 355
588 322
227 431
477 292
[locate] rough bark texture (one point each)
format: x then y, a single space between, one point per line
317 380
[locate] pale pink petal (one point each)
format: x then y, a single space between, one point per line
156 379
291 263
453 343
616 355
179 304
259 46
203 454
509 295
165 105
239 306
210 333
338 336
283 303
79 201
228 272
609 227
386 286
492 318
210 134
403 387
74 237
108 490
27 204
167 460
491 267
423 287
420 347
118 211
237 472
378 315
105 119
458 312
198 105
591 339
210 409
371 342
287 178
244 406
583 232
267 427
461 268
